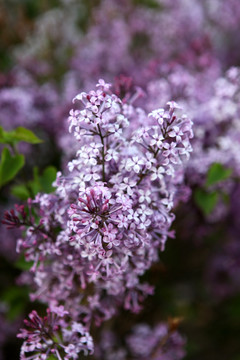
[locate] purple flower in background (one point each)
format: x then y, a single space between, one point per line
161 341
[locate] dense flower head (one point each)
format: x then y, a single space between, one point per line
52 335
108 218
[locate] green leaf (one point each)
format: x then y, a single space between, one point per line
21 192
23 134
225 198
206 201
1 133
43 183
15 311
40 183
217 173
17 135
16 298
148 3
34 185
47 178
22 264
9 166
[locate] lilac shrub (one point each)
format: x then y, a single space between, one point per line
92 240
136 44
124 172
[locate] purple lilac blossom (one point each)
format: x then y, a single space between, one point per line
52 335
109 217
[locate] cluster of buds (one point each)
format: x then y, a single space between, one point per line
53 335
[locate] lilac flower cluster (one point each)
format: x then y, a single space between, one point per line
52 335
108 219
